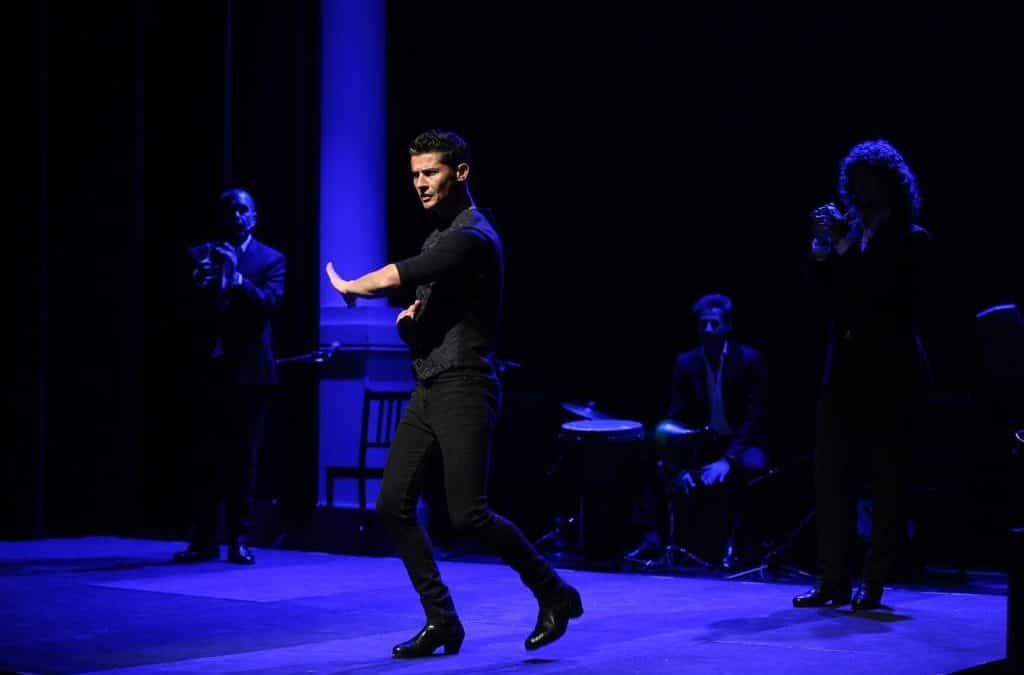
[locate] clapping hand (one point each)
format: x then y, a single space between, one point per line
229 262
205 273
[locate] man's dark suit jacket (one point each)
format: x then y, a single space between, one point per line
743 392
875 301
231 331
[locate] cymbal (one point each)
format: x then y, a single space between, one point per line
588 411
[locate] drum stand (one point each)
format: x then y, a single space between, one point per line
555 542
673 556
673 552
579 435
556 539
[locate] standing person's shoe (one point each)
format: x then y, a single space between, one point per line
824 594
240 554
868 596
197 553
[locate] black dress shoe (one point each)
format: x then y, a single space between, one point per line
554 617
240 555
195 554
447 633
824 593
868 596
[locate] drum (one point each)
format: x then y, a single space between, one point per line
606 457
679 448
603 430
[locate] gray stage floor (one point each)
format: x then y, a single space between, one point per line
109 605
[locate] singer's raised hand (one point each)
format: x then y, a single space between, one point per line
827 222
340 285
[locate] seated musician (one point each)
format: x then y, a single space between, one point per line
710 444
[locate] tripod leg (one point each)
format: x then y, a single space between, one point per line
739 575
771 559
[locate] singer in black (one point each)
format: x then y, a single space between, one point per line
868 272
235 288
452 328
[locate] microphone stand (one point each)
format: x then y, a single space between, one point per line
320 355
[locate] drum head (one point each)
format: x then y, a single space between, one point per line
605 429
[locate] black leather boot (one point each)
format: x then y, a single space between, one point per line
447 633
824 593
868 596
197 553
240 554
553 618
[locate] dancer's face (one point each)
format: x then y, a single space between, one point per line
434 181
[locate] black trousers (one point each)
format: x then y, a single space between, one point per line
864 447
709 517
228 432
455 415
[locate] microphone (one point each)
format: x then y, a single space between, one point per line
827 221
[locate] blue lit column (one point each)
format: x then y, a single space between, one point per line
353 228
352 140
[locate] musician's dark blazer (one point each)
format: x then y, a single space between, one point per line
743 392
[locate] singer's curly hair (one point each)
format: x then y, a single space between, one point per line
453 148
879 157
